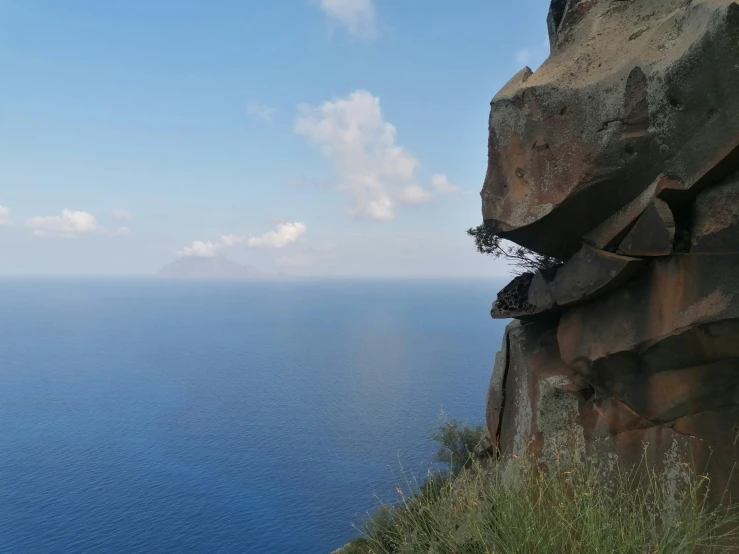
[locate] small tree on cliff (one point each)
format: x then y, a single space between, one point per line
523 259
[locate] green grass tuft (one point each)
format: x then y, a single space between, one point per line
514 507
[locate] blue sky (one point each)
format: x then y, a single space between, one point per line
309 137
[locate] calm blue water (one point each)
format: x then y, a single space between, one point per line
148 416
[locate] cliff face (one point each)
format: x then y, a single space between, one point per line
620 156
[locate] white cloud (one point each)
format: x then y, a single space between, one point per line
442 185
255 109
357 17
284 234
280 237
69 224
377 172
415 194
121 215
5 217
200 248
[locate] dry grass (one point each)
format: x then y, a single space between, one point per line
514 508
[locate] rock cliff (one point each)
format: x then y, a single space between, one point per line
620 157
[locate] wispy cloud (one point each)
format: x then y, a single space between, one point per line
357 17
121 215
70 224
377 172
5 216
284 234
255 109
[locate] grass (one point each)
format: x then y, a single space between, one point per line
515 508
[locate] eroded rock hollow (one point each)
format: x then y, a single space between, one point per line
619 156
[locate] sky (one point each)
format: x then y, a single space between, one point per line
305 137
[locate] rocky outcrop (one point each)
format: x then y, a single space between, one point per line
620 157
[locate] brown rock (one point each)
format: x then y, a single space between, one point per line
610 232
526 296
540 291
626 96
513 299
652 234
526 400
620 156
716 218
672 294
591 273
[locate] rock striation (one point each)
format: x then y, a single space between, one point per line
620 157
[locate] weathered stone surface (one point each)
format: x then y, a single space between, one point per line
672 294
513 299
526 296
540 291
612 230
652 234
484 446
716 218
627 95
528 393
620 157
540 406
591 273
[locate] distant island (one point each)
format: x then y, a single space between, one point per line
209 267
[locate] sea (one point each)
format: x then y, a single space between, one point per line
154 416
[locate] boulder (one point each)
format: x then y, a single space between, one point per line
620 157
626 96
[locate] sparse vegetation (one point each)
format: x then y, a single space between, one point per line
456 442
516 508
522 259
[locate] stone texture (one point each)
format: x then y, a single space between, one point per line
672 294
591 273
716 218
535 398
513 300
626 96
620 157
652 234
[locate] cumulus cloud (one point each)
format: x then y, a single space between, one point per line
280 237
357 17
5 216
284 234
378 173
69 224
200 248
255 109
121 215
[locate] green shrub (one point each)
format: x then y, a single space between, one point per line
457 441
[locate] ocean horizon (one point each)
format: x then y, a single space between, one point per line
148 415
